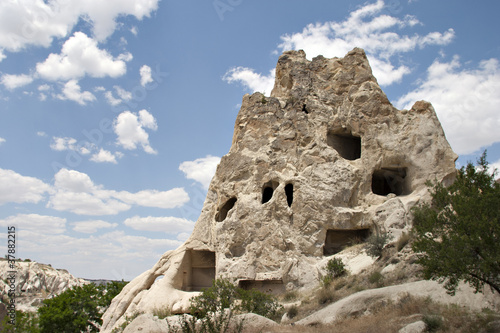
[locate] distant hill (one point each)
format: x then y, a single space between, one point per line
35 282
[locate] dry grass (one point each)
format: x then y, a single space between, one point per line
391 317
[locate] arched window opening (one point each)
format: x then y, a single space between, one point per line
390 180
224 210
289 194
268 190
336 240
347 145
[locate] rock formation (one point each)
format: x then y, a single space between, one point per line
321 163
35 282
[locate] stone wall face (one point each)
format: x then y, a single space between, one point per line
325 155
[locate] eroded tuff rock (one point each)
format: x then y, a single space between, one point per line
325 159
35 282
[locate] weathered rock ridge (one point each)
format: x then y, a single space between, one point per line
324 160
35 282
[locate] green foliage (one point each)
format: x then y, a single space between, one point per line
458 234
376 278
326 281
26 322
335 267
77 309
221 295
376 242
257 302
292 312
216 305
432 322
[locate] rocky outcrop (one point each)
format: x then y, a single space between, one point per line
368 301
321 163
35 282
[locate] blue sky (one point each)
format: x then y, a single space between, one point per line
114 115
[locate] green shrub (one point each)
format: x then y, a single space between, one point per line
257 302
376 242
376 278
216 305
335 267
326 281
78 309
432 322
292 312
221 295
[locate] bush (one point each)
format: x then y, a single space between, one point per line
216 305
259 303
376 278
78 309
292 312
376 242
221 295
335 267
326 281
26 322
432 322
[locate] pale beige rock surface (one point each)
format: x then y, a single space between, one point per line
322 162
416 327
368 301
35 282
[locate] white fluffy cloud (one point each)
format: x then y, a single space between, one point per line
201 170
67 143
145 73
367 28
92 226
38 223
73 92
105 156
466 101
173 198
252 80
75 192
19 189
2 140
123 94
38 22
83 256
111 99
167 224
130 129
11 81
80 56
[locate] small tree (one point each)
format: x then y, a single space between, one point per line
335 267
458 234
78 309
376 242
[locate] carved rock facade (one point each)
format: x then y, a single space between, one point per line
324 161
